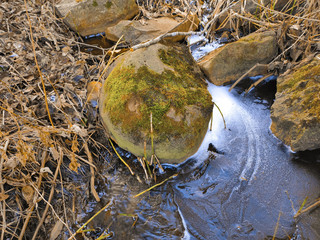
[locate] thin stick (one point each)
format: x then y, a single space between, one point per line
308 208
156 185
121 158
64 202
44 215
224 122
93 190
3 210
258 82
285 14
245 74
159 38
37 65
142 162
277 226
52 209
211 118
73 235
268 24
30 210
151 135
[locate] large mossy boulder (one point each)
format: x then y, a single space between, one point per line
231 61
295 113
89 17
165 81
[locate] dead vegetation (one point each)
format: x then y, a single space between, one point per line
46 122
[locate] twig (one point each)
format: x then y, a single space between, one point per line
307 209
258 82
44 215
156 185
121 157
165 35
52 209
288 48
277 226
93 190
3 210
267 24
224 122
64 202
37 65
285 14
30 210
142 162
73 235
245 74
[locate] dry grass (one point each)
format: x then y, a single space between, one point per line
45 119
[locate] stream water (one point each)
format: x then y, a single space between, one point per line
241 184
235 187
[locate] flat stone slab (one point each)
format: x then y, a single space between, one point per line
89 17
135 32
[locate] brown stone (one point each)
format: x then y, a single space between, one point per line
89 17
231 61
295 113
135 32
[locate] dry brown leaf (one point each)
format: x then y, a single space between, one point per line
3 196
55 232
65 50
28 193
93 90
81 132
11 163
54 153
74 164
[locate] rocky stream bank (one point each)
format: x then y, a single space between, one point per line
58 167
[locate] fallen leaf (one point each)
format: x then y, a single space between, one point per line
55 232
46 170
3 196
27 193
93 90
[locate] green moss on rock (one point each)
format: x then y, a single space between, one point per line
177 97
295 113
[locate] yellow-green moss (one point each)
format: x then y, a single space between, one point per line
94 3
303 87
306 72
157 93
108 4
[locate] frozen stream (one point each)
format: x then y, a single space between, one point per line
236 192
240 193
241 184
